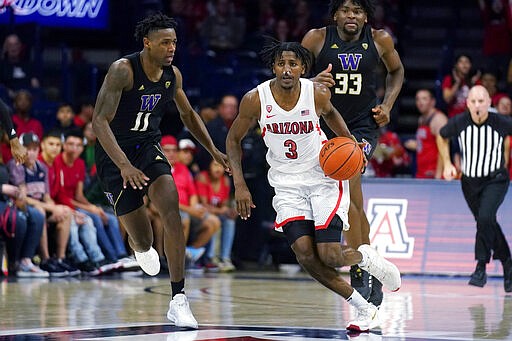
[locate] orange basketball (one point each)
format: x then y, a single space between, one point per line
341 158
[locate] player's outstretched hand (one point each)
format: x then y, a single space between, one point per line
134 177
325 77
223 160
381 115
244 202
19 153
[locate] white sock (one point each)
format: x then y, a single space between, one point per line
364 256
356 300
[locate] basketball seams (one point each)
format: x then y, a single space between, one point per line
331 154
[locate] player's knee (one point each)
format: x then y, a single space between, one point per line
305 256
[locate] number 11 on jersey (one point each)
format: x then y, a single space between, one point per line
139 120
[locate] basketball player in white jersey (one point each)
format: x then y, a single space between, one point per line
311 208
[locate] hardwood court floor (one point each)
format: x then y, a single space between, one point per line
246 306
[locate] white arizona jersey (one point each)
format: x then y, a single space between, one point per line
294 137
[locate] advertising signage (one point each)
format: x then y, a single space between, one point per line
87 14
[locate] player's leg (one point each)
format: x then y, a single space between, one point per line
300 235
359 232
140 237
164 195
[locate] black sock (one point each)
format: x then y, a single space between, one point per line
178 287
481 264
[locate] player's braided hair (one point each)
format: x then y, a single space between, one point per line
154 22
367 5
274 48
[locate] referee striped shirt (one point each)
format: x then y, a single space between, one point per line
482 146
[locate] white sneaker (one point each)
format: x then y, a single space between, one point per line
149 261
179 312
382 269
129 263
366 318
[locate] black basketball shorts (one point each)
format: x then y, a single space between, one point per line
148 157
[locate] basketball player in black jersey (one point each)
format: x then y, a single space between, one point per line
346 58
135 94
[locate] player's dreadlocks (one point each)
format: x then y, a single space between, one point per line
154 22
367 5
274 49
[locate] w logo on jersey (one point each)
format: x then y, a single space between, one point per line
350 61
388 232
149 102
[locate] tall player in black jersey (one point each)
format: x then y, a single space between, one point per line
135 94
346 58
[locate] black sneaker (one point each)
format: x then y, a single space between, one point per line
377 295
70 268
507 275
53 268
360 280
478 278
88 268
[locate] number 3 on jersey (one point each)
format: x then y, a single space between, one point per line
348 83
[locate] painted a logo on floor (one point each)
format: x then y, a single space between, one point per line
388 232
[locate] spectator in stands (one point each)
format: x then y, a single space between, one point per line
15 69
218 128
72 175
83 245
223 31
23 230
90 145
490 82
22 119
84 111
428 163
266 17
390 157
208 112
504 106
282 30
186 151
301 21
198 225
456 85
32 180
65 119
497 42
214 188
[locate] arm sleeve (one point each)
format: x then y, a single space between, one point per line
6 121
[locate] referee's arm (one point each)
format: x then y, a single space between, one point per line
443 146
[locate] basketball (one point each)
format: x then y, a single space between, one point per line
341 158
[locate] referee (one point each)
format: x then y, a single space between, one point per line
485 180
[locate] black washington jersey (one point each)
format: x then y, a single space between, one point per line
141 109
354 66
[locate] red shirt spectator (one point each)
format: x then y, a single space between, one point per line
68 177
389 155
456 85
21 118
184 183
214 196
